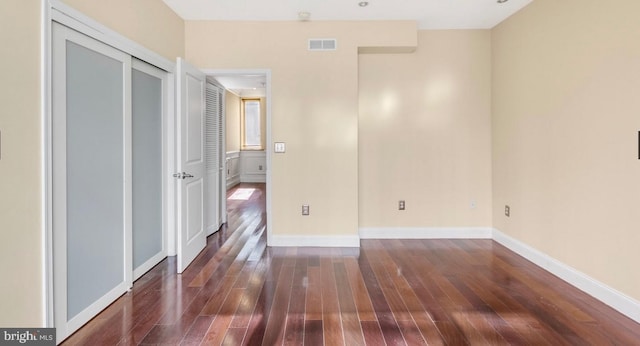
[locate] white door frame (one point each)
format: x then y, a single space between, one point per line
268 147
58 11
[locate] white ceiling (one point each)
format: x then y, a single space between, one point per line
430 14
244 85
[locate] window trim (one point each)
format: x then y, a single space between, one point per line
243 145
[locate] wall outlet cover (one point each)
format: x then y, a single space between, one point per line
279 147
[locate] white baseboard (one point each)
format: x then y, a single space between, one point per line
314 240
615 299
425 233
233 181
253 178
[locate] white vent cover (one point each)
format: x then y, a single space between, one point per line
317 44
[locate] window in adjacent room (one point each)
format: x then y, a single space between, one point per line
250 125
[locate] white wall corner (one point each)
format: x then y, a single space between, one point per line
615 299
314 240
425 232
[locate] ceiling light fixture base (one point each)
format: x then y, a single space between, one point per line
304 16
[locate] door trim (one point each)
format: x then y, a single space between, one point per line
74 19
48 317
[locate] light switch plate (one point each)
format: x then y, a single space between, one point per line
279 147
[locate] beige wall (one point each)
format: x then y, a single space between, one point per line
232 114
565 78
148 22
20 203
566 115
314 105
425 133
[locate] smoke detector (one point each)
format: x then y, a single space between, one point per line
304 16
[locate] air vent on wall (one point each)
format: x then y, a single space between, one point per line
317 44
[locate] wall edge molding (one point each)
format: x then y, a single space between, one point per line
253 178
277 240
425 232
598 290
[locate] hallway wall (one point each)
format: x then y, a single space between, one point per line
425 133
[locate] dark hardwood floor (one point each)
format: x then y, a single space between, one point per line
393 292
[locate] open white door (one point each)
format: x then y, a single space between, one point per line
191 163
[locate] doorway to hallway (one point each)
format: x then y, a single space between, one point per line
246 129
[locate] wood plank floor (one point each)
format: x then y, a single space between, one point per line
393 292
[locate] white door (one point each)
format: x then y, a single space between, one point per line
222 160
212 198
191 163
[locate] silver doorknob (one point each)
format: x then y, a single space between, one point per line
182 175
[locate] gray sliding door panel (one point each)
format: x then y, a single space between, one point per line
147 166
95 176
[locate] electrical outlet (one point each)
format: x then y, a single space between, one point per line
507 211
401 205
260 167
473 205
305 209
